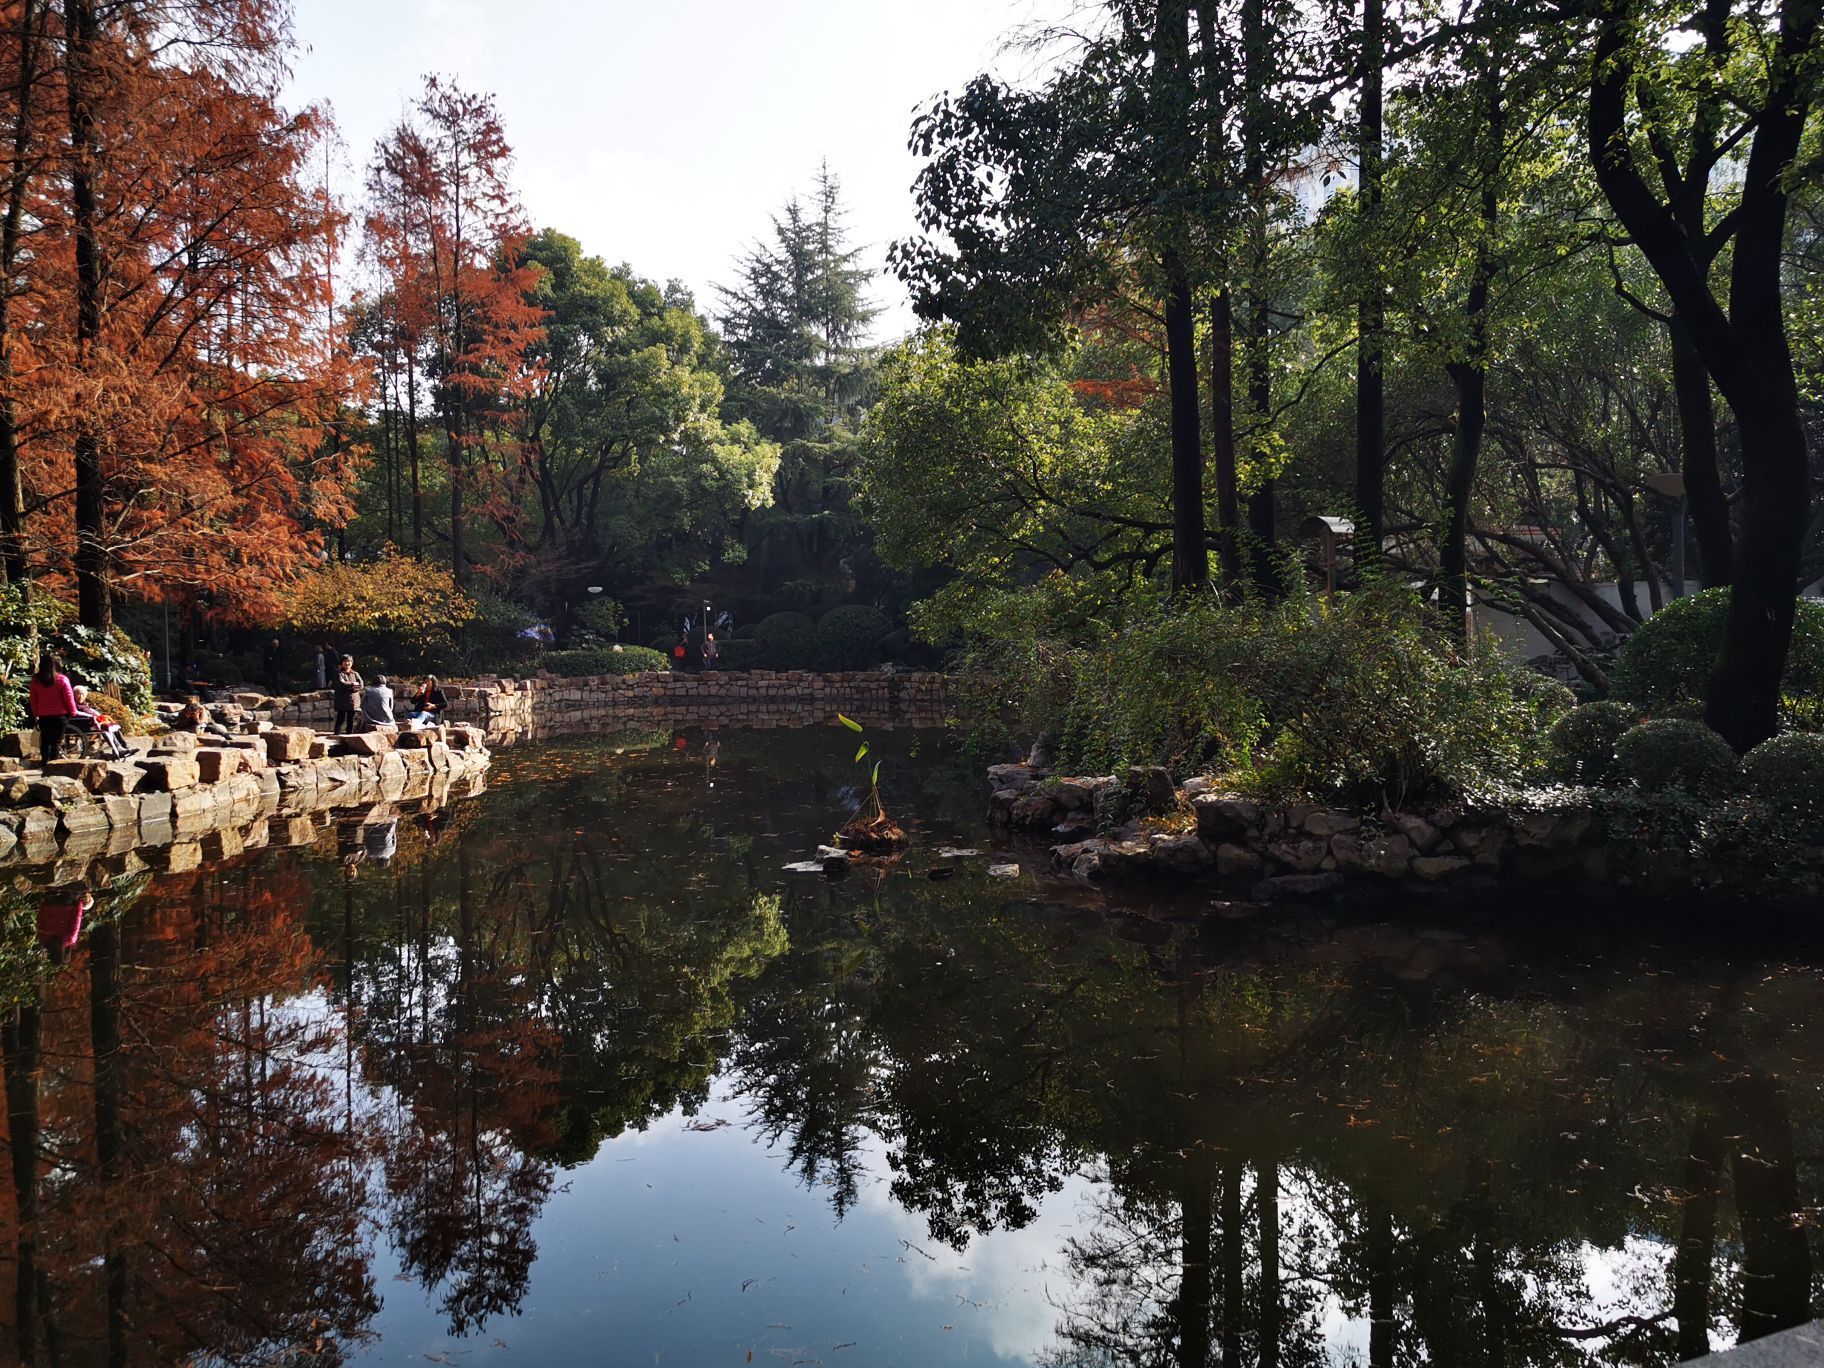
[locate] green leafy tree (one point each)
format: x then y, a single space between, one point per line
796 328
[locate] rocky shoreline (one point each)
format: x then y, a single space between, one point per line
179 793
1140 825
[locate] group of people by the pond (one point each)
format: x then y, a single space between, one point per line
367 707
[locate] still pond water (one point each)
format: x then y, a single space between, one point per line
579 1074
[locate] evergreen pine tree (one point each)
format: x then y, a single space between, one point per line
804 372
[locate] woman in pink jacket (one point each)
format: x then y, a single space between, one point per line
53 704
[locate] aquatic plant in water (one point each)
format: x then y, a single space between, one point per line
868 827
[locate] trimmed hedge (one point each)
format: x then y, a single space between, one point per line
1787 773
1665 667
849 638
787 641
1582 742
603 660
1673 753
740 653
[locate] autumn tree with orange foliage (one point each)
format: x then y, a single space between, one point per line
447 234
170 378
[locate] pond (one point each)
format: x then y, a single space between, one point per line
579 1073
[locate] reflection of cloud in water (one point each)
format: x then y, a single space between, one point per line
1005 1280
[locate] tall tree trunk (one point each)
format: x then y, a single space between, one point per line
94 608
1697 1235
1709 507
1469 377
1745 348
21 1042
1222 436
1262 513
411 437
1371 313
32 15
104 1038
1190 554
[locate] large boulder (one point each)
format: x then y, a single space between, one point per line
287 744
364 743
169 773
216 763
1222 816
88 773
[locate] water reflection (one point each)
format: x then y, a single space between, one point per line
253 1087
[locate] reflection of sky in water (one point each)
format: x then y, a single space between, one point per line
688 1246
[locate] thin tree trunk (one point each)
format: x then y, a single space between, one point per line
1709 506
94 607
1190 553
1370 387
1262 514
1222 436
411 437
12 491
1469 377
1378 1255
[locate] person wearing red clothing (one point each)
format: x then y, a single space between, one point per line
53 704
60 923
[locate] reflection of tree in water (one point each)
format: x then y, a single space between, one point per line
1288 1140
522 1006
192 1187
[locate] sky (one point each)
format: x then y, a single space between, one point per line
663 135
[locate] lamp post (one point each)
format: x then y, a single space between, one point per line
1670 485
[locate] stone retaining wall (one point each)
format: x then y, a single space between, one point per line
511 710
177 789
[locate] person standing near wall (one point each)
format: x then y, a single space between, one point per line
349 685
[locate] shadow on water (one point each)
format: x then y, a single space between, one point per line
256 1109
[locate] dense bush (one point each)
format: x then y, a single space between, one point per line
1675 753
1550 699
1359 697
787 641
849 638
1665 667
740 653
1787 773
110 661
1581 743
492 640
603 660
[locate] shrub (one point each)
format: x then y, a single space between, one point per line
1787 773
117 711
601 617
740 653
395 596
849 638
603 660
1666 665
1673 753
1357 697
1581 744
109 661
787 641
1550 699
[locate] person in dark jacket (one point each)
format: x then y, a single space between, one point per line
348 687
429 703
